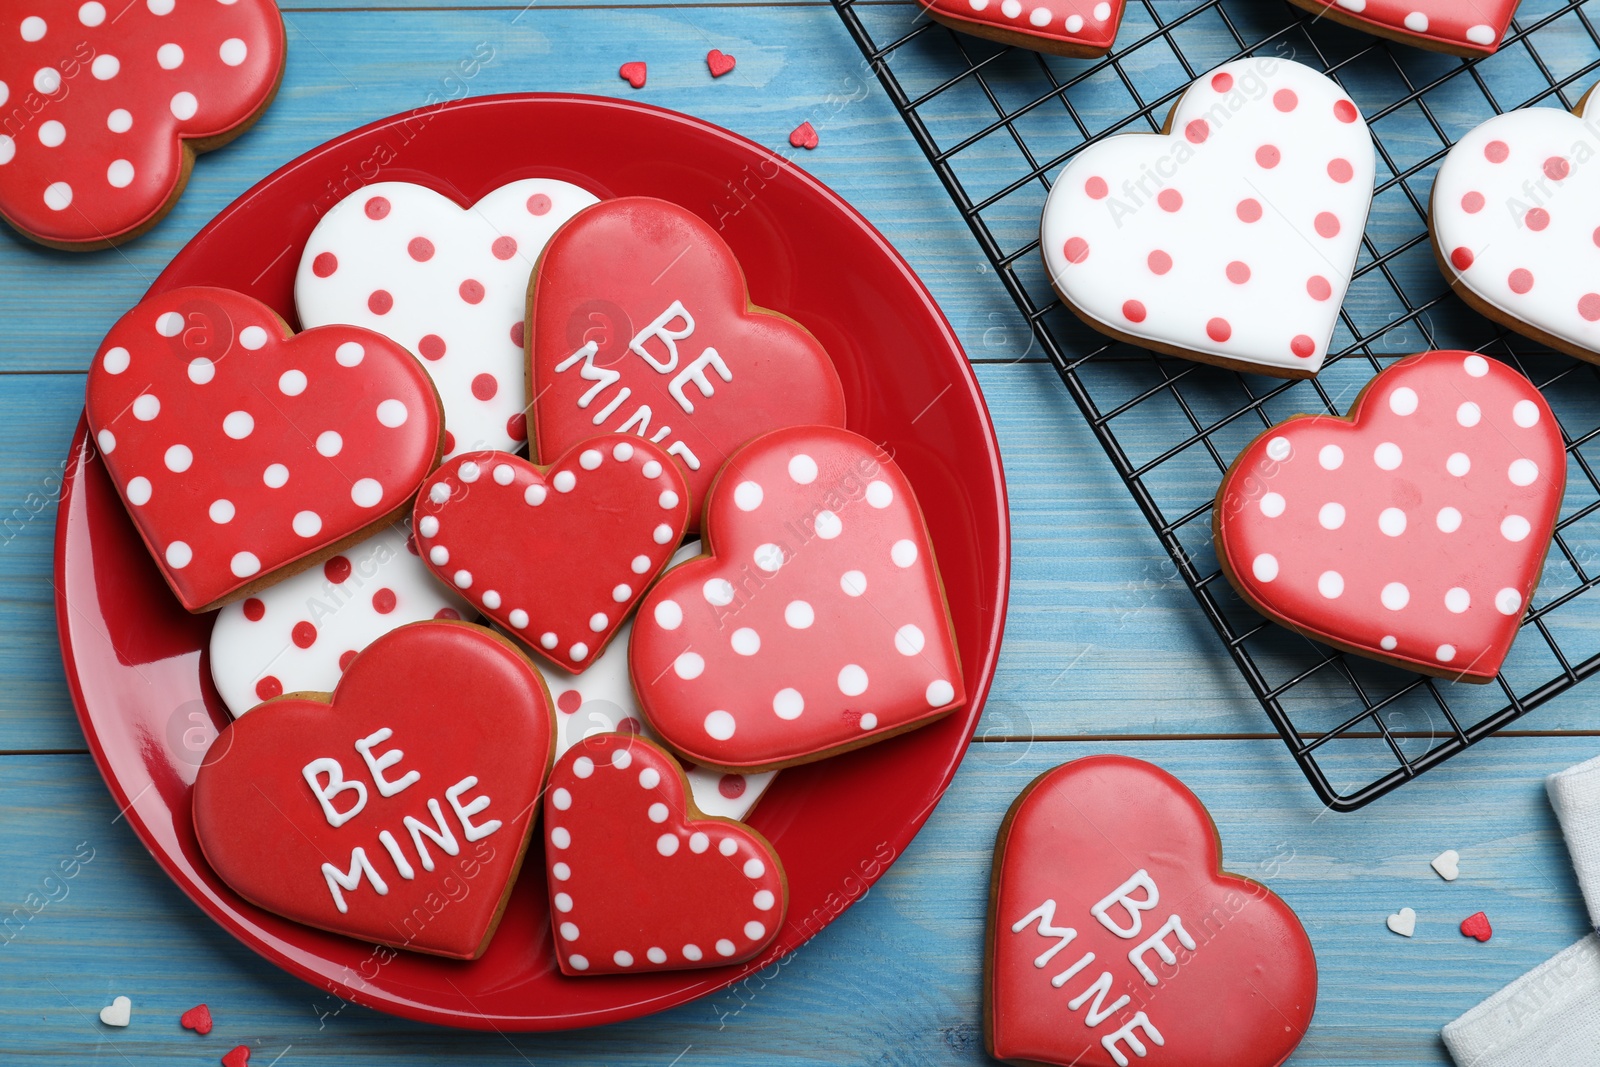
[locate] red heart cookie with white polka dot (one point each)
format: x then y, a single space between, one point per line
1062 27
299 635
1230 238
1515 227
1462 29
641 323
352 811
817 623
557 555
1412 532
243 451
639 880
106 105
450 282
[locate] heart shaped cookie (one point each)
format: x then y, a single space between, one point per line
300 634
641 323
106 105
1231 237
244 453
416 777
1412 532
639 880
1114 934
816 624
1080 28
447 281
1473 29
1515 225
556 555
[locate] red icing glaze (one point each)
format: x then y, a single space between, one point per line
1081 27
639 880
100 97
1415 531
817 623
719 62
1234 987
465 712
557 555
633 73
1477 926
1446 25
240 449
197 1018
740 372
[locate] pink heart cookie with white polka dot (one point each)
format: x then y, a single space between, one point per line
1080 28
448 281
1515 226
557 555
639 880
106 105
1412 532
245 453
816 624
1232 237
1462 29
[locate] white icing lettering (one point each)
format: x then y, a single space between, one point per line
603 377
668 337
1098 1013
1045 914
350 879
440 834
473 807
392 846
639 419
696 373
378 764
1139 1021
682 451
1066 976
616 402
1123 895
336 784
1157 942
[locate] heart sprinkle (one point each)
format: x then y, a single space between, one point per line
633 74
1403 922
237 1057
804 136
118 1012
198 1019
1448 865
1477 926
719 62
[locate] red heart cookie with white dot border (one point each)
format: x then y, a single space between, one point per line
243 451
1081 28
1515 228
108 103
347 811
557 555
1412 532
639 880
1462 29
1230 238
641 323
1115 935
816 624
447 281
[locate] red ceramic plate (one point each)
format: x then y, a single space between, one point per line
136 661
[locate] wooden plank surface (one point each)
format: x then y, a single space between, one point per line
1105 646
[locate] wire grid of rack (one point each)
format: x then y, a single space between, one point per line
997 123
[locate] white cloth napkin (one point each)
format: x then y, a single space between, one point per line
1551 1015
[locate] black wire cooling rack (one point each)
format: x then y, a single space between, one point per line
998 123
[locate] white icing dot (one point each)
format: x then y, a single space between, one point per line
329 443
201 370
1448 520
159 7
1388 643
788 704
598 621
752 929
428 526
503 473
1468 414
1446 653
1476 366
854 583
292 382
1392 521
622 759
939 693
669 616
1331 516
33 27
754 868
244 564
179 458
720 725
169 56
107 441
662 534
622 452
1515 528
1395 596
578 962
146 407
178 555
1331 584
651 469
169 323
439 555
1403 401
121 119
828 525
649 778
350 354
468 472
668 500
57 195
583 766
116 360
1272 505
463 579
728 846
718 592
903 552
1265 567
622 592
692 953
852 680
534 495
799 615
366 493
623 958
657 812
689 665
745 641
221 511
563 901
307 523
47 80
491 599
569 931
561 871
8 147
747 496
1011 8
440 493
92 14
519 621
392 413
763 900
1458 464
1457 600
769 557
1523 472
233 51
908 640
699 842
656 955
590 458
276 476
184 106
803 469
104 68
1280 449
880 495
1482 34
1039 16
52 133
1508 601
1387 456
640 564
1525 414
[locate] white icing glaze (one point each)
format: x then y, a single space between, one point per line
1234 236
449 283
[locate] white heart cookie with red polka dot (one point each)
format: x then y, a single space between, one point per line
817 624
1413 532
1463 29
299 635
1516 228
1231 239
557 555
639 880
106 104
241 450
448 282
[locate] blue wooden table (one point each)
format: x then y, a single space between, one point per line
1105 650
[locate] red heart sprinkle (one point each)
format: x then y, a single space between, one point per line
804 136
633 73
197 1018
1477 926
237 1057
719 62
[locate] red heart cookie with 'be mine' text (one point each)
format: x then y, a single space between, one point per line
816 624
1412 532
639 880
640 323
414 782
1114 934
557 555
241 451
